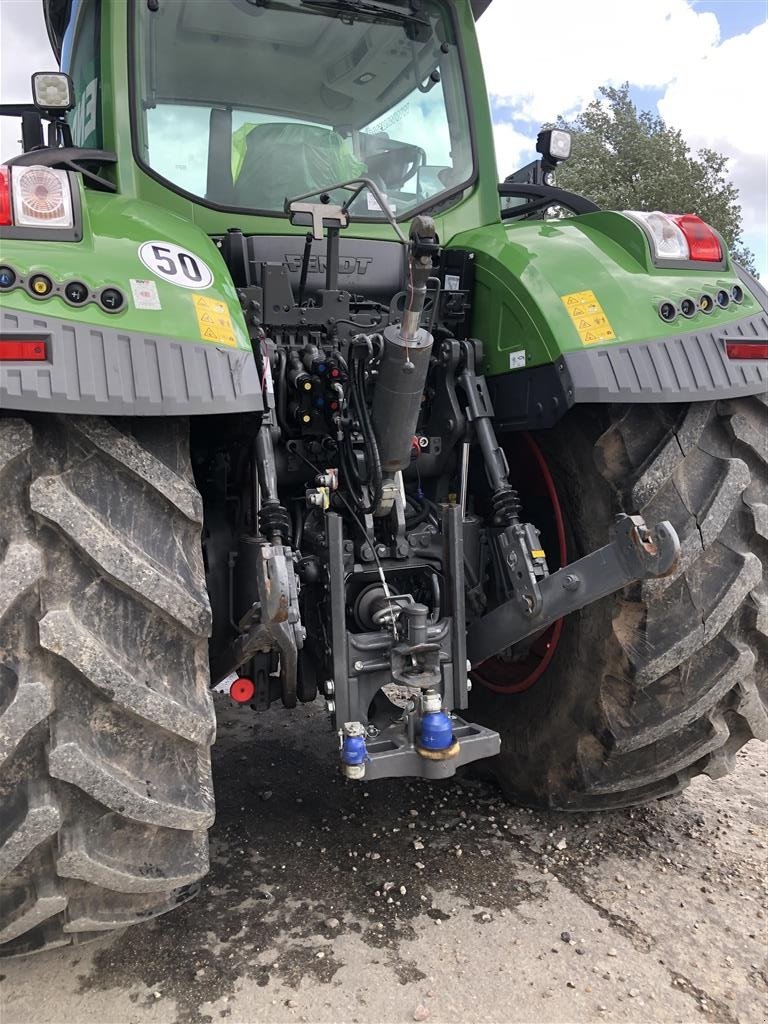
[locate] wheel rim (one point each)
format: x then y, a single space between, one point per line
499 674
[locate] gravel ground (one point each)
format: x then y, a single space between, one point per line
401 901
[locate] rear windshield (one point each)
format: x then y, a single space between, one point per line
244 103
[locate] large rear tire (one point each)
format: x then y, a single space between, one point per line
666 679
106 719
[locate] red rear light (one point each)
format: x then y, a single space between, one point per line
27 351
702 240
6 215
746 349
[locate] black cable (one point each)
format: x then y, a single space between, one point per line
368 540
369 438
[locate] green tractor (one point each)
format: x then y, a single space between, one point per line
298 402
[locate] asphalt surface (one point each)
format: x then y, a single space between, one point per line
398 901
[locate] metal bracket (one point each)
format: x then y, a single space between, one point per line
393 754
635 553
272 623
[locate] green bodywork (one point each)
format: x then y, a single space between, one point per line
522 269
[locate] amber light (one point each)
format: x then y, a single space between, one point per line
25 351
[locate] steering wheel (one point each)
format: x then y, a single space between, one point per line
398 165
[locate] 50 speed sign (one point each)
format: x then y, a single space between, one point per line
176 265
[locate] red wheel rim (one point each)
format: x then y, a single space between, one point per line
502 676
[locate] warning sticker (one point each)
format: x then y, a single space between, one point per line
214 320
588 317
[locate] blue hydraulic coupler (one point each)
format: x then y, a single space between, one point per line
353 750
436 726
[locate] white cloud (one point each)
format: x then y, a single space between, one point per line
513 148
588 44
25 49
716 102
711 90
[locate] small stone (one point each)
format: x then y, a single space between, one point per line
267 794
157 995
419 865
375 856
570 984
562 845
403 890
418 845
320 955
332 922
485 917
422 1012
199 972
634 993
602 1007
612 952
292 1004
565 936
413 812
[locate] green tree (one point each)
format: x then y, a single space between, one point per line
629 159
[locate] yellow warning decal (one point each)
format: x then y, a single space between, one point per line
214 320
588 317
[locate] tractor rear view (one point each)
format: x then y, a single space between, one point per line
297 401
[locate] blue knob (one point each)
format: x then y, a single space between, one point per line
436 731
353 750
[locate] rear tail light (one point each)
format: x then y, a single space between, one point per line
41 197
5 197
11 349
746 349
679 237
702 241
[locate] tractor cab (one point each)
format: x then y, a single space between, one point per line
235 105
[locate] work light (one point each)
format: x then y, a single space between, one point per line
52 91
554 144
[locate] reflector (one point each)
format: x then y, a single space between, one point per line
24 351
746 349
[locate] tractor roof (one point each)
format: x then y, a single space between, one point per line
56 14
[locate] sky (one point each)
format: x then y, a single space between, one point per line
699 63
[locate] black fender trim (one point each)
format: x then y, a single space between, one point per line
689 367
94 370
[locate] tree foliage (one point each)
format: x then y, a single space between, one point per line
629 159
